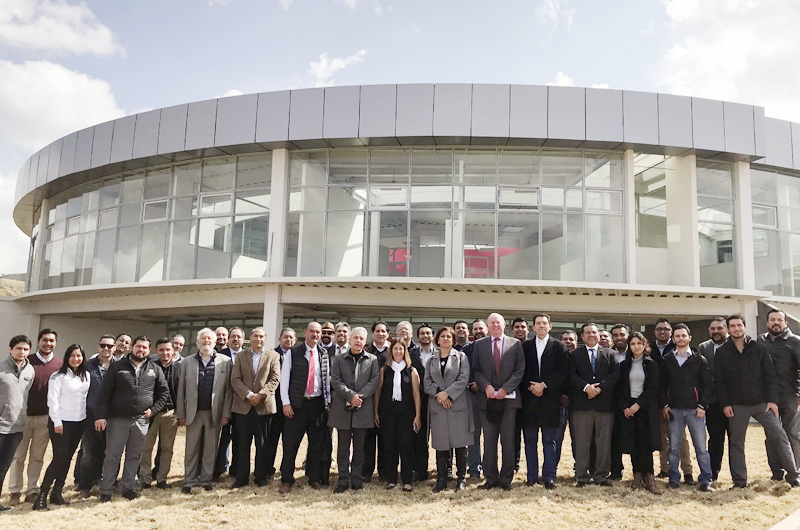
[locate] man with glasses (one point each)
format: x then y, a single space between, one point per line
659 348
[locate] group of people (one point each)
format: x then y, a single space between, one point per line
392 398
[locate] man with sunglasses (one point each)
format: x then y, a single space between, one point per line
93 445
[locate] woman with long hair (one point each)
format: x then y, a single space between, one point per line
66 399
397 413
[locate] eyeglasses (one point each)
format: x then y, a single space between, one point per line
106 345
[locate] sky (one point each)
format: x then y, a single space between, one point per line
68 64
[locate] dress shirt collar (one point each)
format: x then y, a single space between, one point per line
45 360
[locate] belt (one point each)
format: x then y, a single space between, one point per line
311 398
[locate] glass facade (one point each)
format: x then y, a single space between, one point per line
715 224
204 219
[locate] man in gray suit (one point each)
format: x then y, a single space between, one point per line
499 366
204 407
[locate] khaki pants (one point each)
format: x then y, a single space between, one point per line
35 437
686 460
165 427
200 467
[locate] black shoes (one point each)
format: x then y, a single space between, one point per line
505 487
738 486
238 484
40 503
163 485
208 487
550 485
580 485
186 490
663 474
341 488
487 486
441 484
130 495
615 476
673 485
689 480
57 499
605 483
793 482
105 497
461 484
705 487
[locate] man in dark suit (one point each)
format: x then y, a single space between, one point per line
499 369
474 462
285 342
541 389
374 451
593 374
716 422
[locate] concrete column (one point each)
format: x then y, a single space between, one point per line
278 209
743 232
35 279
629 216
750 312
682 239
273 313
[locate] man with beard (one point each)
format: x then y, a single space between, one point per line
747 387
228 431
341 338
783 347
716 422
474 460
570 340
134 390
420 355
619 338
462 334
519 328
222 341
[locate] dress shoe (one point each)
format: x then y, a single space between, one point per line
738 486
441 484
794 482
663 474
130 494
505 487
341 488
689 480
163 485
356 487
673 485
238 484
31 497
616 477
57 499
261 482
85 494
580 485
285 488
461 484
145 485
186 490
704 487
208 487
408 488
105 497
14 499
605 483
777 477
316 485
550 485
487 486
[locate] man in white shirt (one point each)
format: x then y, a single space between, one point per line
341 339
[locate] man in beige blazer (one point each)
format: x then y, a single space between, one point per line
255 378
204 407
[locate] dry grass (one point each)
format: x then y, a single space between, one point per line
762 505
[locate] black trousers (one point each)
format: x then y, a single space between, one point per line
8 446
445 458
642 457
373 454
64 446
273 437
310 419
616 448
717 426
227 436
93 452
421 444
251 427
397 432
518 441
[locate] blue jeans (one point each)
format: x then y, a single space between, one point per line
682 418
550 450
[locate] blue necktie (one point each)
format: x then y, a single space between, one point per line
592 358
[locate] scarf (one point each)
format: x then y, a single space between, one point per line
397 393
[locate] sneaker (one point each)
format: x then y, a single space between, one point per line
130 494
705 487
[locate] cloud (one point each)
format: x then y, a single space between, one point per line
14 258
734 50
322 71
554 12
55 27
230 93
562 79
41 101
378 8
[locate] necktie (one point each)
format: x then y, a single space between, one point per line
312 368
496 356
593 358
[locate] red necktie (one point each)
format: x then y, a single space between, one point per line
496 356
312 368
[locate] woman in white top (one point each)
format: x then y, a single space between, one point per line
66 399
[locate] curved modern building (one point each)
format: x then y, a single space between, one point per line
423 202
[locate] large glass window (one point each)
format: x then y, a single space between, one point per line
651 200
715 224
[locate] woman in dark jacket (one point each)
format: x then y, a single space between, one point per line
637 397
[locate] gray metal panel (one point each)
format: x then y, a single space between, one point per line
452 110
796 144
236 120
528 117
760 127
68 154
272 124
604 115
55 160
146 136
640 112
491 106
33 171
739 128
566 113
378 111
341 112
41 170
306 114
414 110
200 124
83 152
22 179
675 121
101 147
779 143
122 142
708 127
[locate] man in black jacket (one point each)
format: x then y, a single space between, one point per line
784 349
747 387
716 422
685 389
593 374
134 390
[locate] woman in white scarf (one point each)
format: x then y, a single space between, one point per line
397 413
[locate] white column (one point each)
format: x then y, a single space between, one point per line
629 211
743 217
273 312
35 282
682 239
278 209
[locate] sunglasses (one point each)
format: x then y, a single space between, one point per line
106 345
